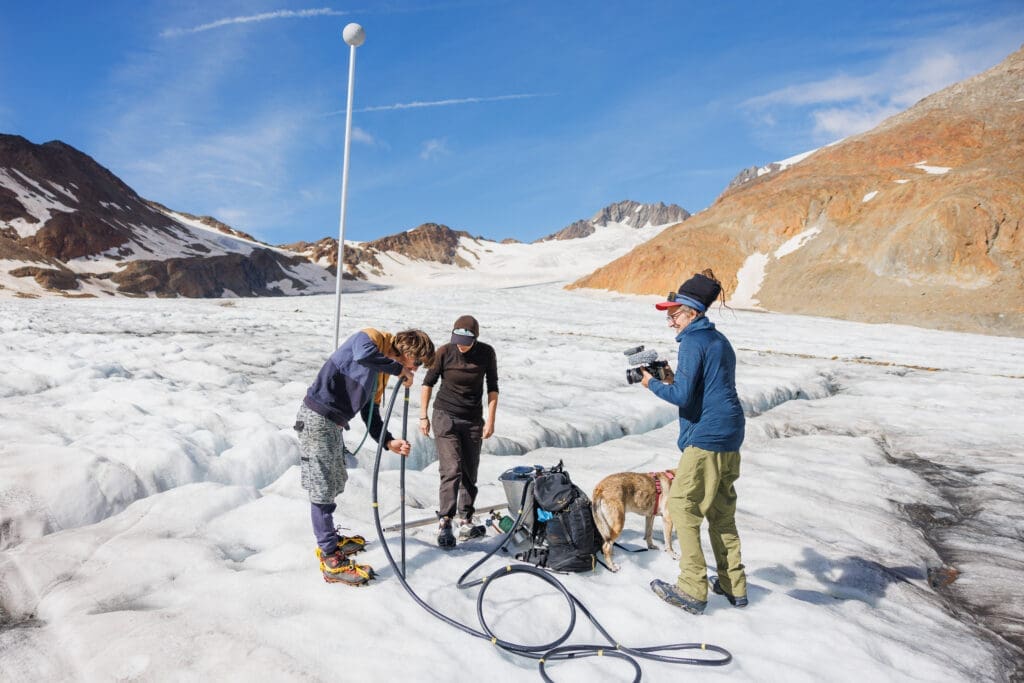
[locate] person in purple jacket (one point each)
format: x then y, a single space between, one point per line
711 429
351 382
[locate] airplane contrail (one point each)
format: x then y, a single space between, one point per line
266 16
445 103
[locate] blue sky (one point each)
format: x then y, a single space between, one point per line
529 115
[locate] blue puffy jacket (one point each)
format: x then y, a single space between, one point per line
710 414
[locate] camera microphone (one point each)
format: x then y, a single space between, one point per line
643 358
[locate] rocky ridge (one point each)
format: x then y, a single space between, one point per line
439 244
627 212
918 221
68 225
428 242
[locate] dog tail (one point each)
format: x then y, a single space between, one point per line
599 519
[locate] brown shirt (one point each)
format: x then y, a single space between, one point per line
462 379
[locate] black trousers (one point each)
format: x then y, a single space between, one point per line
458 454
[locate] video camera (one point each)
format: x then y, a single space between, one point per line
640 360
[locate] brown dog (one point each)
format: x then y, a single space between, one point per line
645 494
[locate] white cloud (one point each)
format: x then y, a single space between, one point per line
434 148
246 161
173 144
835 123
836 89
846 104
446 103
934 72
231 215
360 135
265 16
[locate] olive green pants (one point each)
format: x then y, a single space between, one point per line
703 487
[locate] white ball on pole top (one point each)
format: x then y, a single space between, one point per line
354 35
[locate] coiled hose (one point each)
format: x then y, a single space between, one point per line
547 652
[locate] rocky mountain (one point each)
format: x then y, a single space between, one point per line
918 221
429 242
68 225
628 212
450 254
755 172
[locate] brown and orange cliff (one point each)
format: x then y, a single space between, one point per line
918 221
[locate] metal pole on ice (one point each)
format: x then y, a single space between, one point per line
354 36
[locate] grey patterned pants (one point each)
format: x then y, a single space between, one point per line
323 471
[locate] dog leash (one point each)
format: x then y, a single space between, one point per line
548 653
657 487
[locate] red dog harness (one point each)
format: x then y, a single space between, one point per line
657 487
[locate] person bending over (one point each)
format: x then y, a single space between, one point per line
351 381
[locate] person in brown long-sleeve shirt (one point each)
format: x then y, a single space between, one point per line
463 366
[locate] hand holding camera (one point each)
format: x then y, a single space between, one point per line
640 361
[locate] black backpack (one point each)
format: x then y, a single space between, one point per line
569 540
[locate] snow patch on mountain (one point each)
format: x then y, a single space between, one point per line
750 276
39 203
514 264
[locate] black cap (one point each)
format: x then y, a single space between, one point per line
465 330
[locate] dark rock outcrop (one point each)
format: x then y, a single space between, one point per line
626 212
573 231
213 276
50 278
428 242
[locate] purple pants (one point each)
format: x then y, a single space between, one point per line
323 526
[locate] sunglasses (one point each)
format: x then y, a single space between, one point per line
675 296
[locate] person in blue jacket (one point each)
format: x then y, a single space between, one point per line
711 428
350 383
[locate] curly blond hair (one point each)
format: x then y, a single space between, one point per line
417 344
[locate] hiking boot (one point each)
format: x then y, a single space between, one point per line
469 529
337 568
673 596
735 601
445 537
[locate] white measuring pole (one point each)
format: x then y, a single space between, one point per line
354 36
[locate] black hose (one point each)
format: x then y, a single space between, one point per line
401 476
547 652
